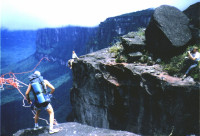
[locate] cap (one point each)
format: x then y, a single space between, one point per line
37 73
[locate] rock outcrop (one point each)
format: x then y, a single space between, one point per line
168 32
192 13
132 97
73 129
113 27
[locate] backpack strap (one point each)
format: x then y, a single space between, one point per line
41 81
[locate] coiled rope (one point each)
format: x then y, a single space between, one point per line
13 81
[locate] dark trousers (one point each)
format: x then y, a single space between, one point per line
193 64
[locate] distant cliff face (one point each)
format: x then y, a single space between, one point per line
132 97
59 42
114 27
16 45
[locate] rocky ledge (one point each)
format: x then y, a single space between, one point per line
133 97
73 129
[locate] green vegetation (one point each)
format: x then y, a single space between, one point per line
116 48
141 31
177 65
121 58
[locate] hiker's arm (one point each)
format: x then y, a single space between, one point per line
50 86
190 56
27 93
76 56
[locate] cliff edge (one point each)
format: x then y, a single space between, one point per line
125 87
73 129
133 97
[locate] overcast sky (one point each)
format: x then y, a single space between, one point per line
34 14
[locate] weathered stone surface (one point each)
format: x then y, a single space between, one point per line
133 97
133 44
168 32
134 56
193 13
73 129
117 26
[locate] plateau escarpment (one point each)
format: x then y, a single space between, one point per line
56 44
125 87
109 31
133 97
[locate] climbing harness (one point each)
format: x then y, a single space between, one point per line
14 82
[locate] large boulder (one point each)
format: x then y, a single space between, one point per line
193 13
168 32
133 42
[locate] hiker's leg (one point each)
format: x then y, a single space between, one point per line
72 60
51 116
191 67
37 116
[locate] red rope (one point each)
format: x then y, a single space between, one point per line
13 80
13 74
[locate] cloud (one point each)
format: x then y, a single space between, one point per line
33 14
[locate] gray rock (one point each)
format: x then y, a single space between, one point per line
168 32
133 97
133 44
158 61
192 13
134 56
73 129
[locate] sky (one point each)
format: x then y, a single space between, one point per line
36 14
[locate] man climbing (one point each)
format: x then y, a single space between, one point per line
194 57
42 99
74 57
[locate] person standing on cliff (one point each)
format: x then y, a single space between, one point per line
74 57
38 86
194 57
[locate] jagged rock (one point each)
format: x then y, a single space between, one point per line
133 97
192 13
120 25
133 44
167 33
73 129
134 56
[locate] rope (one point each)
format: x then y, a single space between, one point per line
33 111
13 74
13 81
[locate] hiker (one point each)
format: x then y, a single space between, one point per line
38 86
194 57
74 57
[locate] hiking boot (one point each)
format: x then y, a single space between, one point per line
36 128
55 123
51 131
183 77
